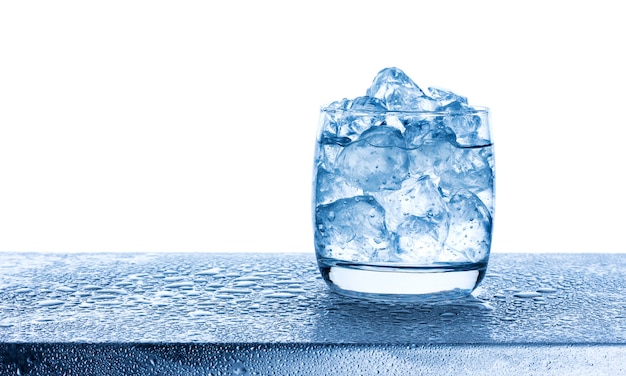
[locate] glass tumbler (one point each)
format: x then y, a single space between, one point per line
403 202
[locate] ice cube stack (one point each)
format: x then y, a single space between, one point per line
403 176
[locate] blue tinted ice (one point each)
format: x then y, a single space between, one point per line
432 130
447 100
367 104
469 236
334 235
398 92
417 197
464 168
334 186
404 175
418 216
388 166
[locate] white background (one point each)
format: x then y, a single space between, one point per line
180 126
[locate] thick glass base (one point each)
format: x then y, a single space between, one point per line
433 283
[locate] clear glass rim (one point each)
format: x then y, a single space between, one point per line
474 110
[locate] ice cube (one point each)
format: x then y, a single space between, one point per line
346 123
328 150
428 142
428 130
471 129
343 104
418 218
352 229
417 197
369 104
377 160
447 100
469 235
398 92
470 125
419 241
332 187
464 168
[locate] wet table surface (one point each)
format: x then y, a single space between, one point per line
258 314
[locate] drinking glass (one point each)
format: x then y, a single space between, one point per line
403 202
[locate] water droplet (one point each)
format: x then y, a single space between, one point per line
201 313
280 295
235 291
295 290
43 320
288 282
526 294
159 302
240 370
212 271
179 285
50 303
173 279
65 289
224 296
112 291
213 286
108 303
104 296
248 278
244 284
546 290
